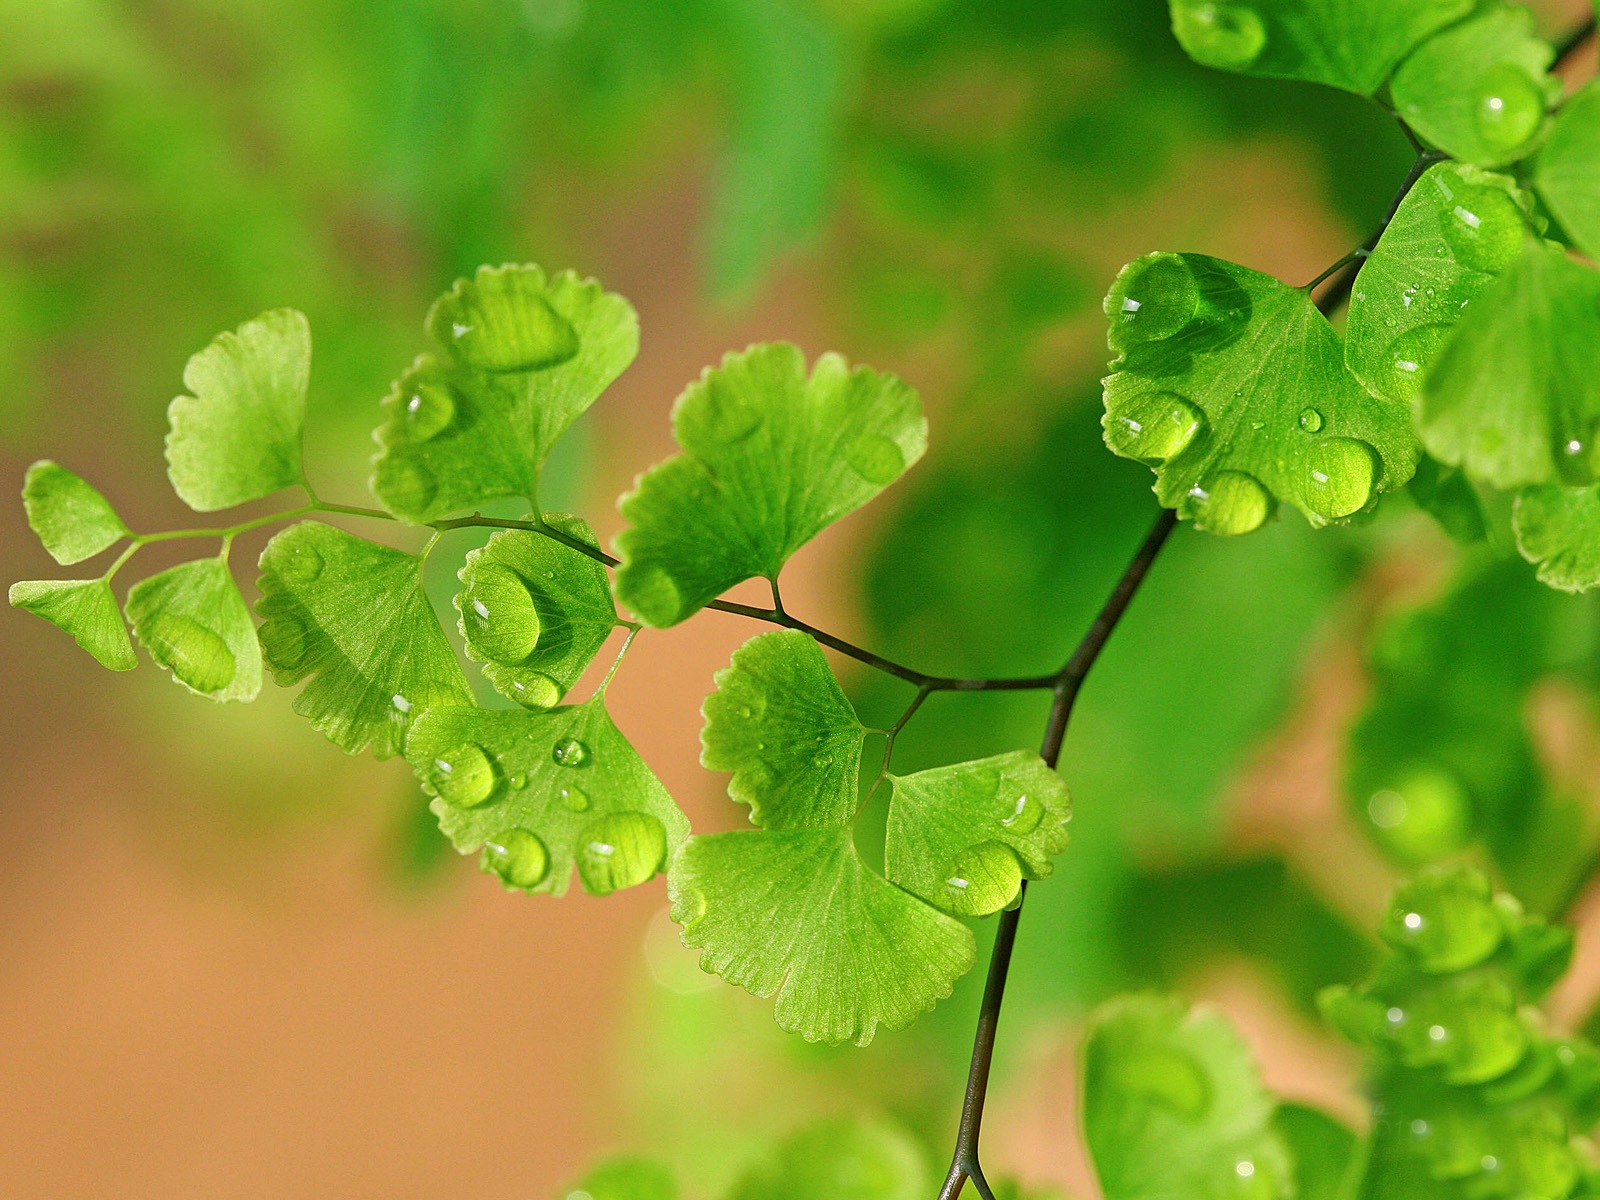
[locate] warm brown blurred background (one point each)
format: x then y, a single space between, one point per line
236 963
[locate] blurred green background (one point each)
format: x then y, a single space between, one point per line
235 963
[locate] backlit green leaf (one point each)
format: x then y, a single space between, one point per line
1479 90
519 359
350 617
963 837
1173 1108
841 1158
1559 528
771 457
1567 172
543 792
779 722
1515 396
86 609
796 913
192 620
1350 44
534 611
625 1177
72 519
1233 387
1456 230
237 437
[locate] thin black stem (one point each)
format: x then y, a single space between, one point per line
1569 44
1068 681
1344 276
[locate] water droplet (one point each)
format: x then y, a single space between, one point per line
464 777
518 857
498 614
1509 110
727 416
574 797
518 781
531 689
301 563
1153 299
429 406
983 879
619 851
875 458
1220 35
570 752
1483 227
1341 475
405 483
1022 811
193 653
1410 355
1310 420
1229 503
651 593
501 321
1154 427
1574 459
1445 920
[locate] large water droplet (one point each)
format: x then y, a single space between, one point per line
1410 355
193 653
1509 111
983 879
301 563
570 752
1574 459
429 406
1220 35
1340 477
1153 427
875 458
531 689
574 797
1483 227
405 483
500 321
619 851
498 614
1229 503
1445 920
1310 420
464 777
728 417
1153 299
1020 811
518 857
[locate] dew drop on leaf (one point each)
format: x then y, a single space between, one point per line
499 615
1220 35
983 879
574 798
300 564
1153 427
1310 420
406 483
1153 300
429 408
518 781
1229 503
1340 477
1445 920
1484 228
619 851
570 752
518 857
875 458
532 689
1021 812
195 654
1509 110
464 776
1410 356
498 322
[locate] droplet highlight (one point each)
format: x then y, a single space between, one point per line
501 321
1153 299
429 406
1310 420
573 798
498 614
1483 227
1411 355
1508 111
1153 428
531 689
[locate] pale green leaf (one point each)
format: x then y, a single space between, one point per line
1350 44
771 457
1559 528
841 1158
1456 230
519 359
72 519
624 1177
779 721
1567 172
1515 396
543 792
1479 90
86 609
797 913
1234 388
237 437
192 620
1173 1107
963 837
350 617
534 611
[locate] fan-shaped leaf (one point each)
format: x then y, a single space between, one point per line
86 609
72 519
1567 172
1559 528
192 620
